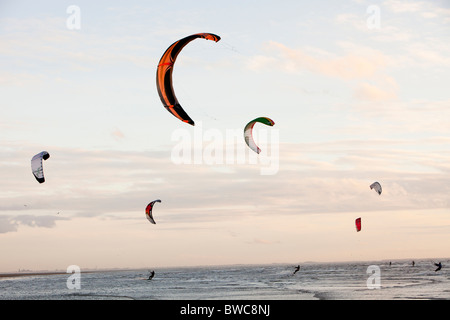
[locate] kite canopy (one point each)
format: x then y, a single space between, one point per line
376 186
36 165
164 75
358 224
248 132
148 211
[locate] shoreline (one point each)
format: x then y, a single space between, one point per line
47 273
29 274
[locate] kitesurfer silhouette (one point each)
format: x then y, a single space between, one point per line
296 269
152 274
438 265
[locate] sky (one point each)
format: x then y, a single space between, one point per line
358 91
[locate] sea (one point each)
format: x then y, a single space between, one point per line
385 280
254 286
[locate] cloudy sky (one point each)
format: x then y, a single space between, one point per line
358 91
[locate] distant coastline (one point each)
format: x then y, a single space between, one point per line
29 274
47 273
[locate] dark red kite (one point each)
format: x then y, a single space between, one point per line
358 224
164 75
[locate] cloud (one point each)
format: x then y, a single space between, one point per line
366 91
352 65
260 62
34 42
12 223
327 177
357 64
417 118
117 134
430 54
405 6
426 9
19 79
7 225
36 221
262 241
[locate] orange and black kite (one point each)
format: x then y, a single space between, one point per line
164 75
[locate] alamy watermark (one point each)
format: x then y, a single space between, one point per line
374 19
214 147
73 22
374 280
74 281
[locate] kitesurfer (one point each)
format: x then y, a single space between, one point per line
152 274
296 269
438 265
